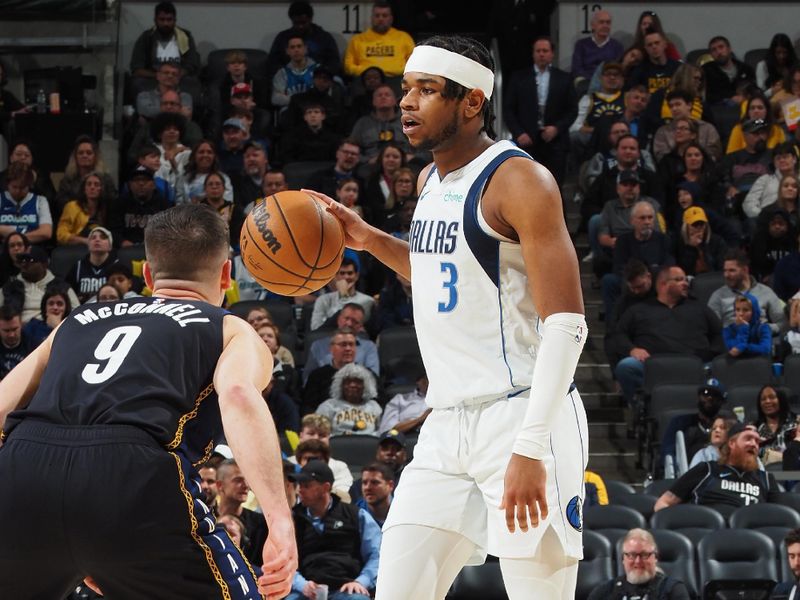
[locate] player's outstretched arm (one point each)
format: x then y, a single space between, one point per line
243 371
524 199
360 235
17 388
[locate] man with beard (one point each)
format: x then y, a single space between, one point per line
739 170
695 427
391 451
129 216
248 185
790 588
208 481
725 73
731 483
642 578
377 485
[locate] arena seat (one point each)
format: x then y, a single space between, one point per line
298 173
742 371
356 450
672 369
129 254
612 521
641 503
597 565
658 487
691 520
764 515
704 284
618 490
482 582
791 373
790 499
731 555
64 257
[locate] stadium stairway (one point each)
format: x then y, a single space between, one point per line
611 454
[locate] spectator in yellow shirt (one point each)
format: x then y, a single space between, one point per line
380 46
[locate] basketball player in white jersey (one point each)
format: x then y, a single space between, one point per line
499 316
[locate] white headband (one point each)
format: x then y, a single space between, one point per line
462 70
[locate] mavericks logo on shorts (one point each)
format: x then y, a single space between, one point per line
575 513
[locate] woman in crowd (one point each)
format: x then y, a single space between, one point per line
83 213
767 188
20 151
167 130
631 58
690 194
757 107
23 210
84 159
16 243
718 436
698 249
698 168
774 420
379 184
107 293
351 406
283 371
403 188
189 186
54 308
347 192
214 187
780 59
672 164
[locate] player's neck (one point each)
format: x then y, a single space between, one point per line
175 289
460 150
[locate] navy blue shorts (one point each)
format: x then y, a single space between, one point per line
109 502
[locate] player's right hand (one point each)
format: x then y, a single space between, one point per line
280 559
357 231
524 492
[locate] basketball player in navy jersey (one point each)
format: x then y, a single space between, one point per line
499 317
105 423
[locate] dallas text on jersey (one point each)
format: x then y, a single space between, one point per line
180 313
433 237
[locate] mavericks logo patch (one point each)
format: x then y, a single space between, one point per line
575 513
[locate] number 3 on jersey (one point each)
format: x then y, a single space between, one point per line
451 274
114 347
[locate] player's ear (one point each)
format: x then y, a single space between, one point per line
225 275
474 103
148 274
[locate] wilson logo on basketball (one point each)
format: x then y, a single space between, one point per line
266 233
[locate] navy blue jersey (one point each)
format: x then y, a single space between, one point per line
146 362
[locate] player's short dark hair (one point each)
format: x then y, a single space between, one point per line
385 470
313 446
740 256
793 537
9 311
185 242
719 38
681 94
165 7
634 268
476 51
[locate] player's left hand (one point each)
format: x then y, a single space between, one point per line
524 493
280 560
353 587
92 585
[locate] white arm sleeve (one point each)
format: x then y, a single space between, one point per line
563 338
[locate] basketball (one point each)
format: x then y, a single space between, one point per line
291 244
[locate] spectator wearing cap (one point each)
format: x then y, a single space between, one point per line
407 412
628 157
26 290
604 105
338 544
696 427
231 150
380 46
641 577
242 97
539 106
351 404
600 47
21 210
670 323
691 193
738 281
698 249
739 170
615 219
765 189
377 487
149 155
89 273
325 91
391 451
725 73
139 201
148 102
757 106
731 483
249 182
318 428
14 345
237 74
164 43
669 138
311 141
319 43
295 76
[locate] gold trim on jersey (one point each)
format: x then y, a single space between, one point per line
176 441
206 454
226 594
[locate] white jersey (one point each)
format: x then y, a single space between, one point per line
473 311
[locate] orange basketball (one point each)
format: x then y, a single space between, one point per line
291 244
